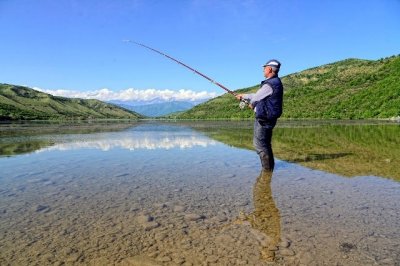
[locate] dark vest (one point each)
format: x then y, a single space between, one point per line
270 107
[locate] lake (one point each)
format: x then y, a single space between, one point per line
193 193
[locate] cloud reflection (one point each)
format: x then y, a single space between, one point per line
134 141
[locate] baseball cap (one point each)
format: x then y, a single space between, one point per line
273 63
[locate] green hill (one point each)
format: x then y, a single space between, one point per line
348 89
22 103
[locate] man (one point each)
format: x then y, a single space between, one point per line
267 104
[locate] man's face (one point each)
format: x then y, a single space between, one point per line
267 71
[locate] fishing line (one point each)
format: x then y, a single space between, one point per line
243 102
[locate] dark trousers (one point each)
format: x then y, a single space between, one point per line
262 142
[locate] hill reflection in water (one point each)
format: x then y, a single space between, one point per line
141 136
348 149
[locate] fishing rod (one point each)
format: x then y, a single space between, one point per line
243 102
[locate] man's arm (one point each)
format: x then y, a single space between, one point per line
263 92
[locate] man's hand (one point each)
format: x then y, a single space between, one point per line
239 96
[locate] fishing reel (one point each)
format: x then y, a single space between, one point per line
243 103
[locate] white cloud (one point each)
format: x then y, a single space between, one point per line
134 94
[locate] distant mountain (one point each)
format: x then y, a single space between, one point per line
159 109
22 103
348 89
152 101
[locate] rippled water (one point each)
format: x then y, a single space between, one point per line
194 194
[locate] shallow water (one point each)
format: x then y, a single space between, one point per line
190 194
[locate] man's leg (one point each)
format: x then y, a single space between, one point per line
262 143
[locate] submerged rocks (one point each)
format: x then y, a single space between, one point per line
346 247
226 176
285 243
41 208
193 217
147 222
150 225
162 208
144 218
286 252
140 260
179 208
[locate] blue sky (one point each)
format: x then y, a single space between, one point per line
75 48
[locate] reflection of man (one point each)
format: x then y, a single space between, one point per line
265 217
267 104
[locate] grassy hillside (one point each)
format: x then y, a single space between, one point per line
348 89
22 103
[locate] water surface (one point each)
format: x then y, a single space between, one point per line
194 194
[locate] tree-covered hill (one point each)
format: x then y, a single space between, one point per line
22 103
348 89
